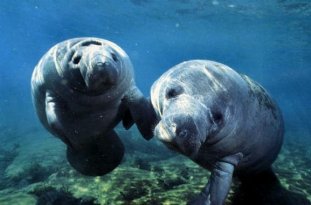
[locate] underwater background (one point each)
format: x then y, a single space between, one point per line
268 40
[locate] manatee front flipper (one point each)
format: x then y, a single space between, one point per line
218 186
127 120
140 111
99 157
57 116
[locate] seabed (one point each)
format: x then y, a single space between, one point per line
38 173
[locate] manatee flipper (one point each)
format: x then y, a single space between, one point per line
141 111
218 186
56 112
127 120
99 158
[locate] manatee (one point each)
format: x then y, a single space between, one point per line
222 120
81 89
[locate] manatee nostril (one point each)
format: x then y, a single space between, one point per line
91 42
102 65
184 126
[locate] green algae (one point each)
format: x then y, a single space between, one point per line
144 177
17 198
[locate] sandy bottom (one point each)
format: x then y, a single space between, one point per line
34 170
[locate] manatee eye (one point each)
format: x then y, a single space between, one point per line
114 57
76 59
173 92
217 117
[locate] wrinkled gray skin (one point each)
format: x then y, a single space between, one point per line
222 120
82 88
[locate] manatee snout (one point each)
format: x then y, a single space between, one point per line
181 131
99 69
102 73
98 66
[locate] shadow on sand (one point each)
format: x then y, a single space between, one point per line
266 189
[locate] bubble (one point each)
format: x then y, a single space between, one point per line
215 2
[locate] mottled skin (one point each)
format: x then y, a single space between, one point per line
222 120
82 88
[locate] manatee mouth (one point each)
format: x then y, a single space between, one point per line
163 133
180 133
166 137
102 74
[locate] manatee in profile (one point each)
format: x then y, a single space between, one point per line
223 121
82 88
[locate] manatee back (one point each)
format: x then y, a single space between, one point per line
264 127
43 73
254 125
253 122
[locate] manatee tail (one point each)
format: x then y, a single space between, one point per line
265 189
100 158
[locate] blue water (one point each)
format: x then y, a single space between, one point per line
268 40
